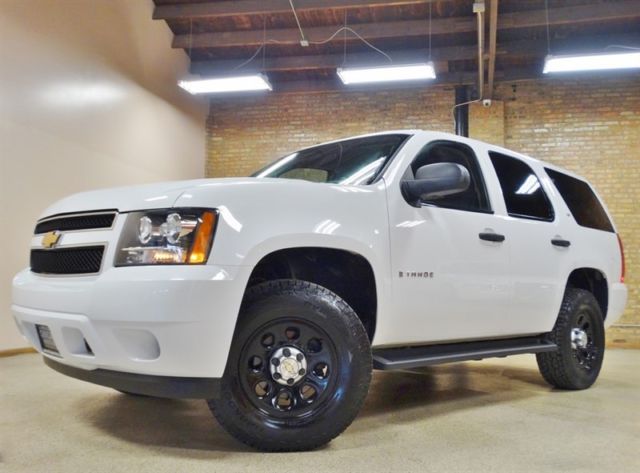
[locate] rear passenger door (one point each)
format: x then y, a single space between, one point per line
539 244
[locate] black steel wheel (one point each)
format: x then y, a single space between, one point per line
579 334
298 370
285 369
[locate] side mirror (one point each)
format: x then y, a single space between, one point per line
435 181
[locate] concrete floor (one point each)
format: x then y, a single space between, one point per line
495 415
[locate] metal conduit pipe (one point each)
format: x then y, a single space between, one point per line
479 9
461 107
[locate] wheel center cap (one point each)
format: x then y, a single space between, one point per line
288 365
579 338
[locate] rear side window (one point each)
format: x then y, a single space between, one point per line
581 200
521 188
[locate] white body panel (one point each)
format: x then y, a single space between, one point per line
479 289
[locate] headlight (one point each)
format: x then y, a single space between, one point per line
172 236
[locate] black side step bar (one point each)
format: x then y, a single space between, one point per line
415 357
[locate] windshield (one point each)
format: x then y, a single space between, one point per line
350 162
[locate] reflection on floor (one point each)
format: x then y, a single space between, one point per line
494 415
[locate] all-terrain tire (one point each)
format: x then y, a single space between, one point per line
571 366
279 321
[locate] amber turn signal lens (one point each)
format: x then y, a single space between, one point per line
202 242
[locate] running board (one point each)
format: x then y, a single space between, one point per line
415 357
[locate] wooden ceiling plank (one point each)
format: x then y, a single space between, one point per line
260 7
517 48
291 36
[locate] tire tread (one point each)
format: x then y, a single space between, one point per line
553 365
312 439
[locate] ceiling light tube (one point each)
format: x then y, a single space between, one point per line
219 85
408 72
591 62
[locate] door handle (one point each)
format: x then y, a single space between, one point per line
561 242
487 236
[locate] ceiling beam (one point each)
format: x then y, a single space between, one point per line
557 16
291 36
493 34
519 48
265 7
331 61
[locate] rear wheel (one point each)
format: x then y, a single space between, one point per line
579 334
298 371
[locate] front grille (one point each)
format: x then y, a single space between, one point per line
84 260
76 222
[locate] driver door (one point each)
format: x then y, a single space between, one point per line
449 260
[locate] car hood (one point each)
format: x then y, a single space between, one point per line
196 193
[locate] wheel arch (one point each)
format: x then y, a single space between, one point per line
593 280
347 273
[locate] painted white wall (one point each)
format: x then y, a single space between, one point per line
88 99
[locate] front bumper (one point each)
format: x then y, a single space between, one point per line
158 386
168 321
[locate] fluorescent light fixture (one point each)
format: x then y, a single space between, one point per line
362 75
226 84
591 62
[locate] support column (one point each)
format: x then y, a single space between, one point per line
462 112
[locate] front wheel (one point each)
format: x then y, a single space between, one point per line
298 370
579 334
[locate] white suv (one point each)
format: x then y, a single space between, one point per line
274 296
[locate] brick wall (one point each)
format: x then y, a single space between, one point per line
244 134
589 126
487 123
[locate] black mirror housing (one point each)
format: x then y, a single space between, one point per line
435 181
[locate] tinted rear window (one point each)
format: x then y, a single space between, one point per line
582 202
523 194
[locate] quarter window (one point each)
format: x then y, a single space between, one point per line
521 188
581 200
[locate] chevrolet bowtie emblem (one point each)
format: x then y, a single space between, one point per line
49 240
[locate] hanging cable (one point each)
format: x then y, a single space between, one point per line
546 13
190 36
355 33
264 42
344 57
330 38
429 31
303 40
260 48
622 46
